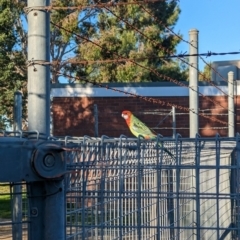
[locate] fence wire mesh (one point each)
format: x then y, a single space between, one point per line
132 189
122 188
13 211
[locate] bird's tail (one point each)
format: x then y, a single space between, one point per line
169 153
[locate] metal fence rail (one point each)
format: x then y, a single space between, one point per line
132 189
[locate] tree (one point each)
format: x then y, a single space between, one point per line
130 32
13 49
12 59
113 29
206 73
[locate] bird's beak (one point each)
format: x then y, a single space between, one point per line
124 116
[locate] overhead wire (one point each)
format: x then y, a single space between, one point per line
180 58
182 39
182 55
152 70
144 67
82 7
159 45
148 99
112 4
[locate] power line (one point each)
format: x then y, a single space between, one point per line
98 5
180 58
209 81
182 55
144 67
140 3
148 99
179 37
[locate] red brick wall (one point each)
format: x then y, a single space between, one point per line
74 115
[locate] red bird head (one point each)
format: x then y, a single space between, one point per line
126 115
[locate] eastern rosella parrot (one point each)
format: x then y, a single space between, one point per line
138 128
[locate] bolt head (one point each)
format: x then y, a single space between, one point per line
49 160
34 212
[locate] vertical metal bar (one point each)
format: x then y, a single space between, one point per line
38 75
217 184
174 121
95 112
54 211
47 211
193 83
237 191
17 121
159 188
231 104
197 180
83 190
17 189
178 185
102 192
170 201
121 190
135 202
36 210
139 191
38 104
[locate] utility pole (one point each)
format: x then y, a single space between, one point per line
46 197
231 104
38 75
193 83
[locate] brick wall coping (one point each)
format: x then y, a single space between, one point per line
155 89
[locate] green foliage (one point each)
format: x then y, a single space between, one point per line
5 202
140 37
13 49
63 43
12 60
206 73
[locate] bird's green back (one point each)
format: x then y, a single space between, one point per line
138 128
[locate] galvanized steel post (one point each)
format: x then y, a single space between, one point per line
17 188
193 83
231 104
38 75
46 197
174 121
17 115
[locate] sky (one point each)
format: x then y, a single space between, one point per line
218 23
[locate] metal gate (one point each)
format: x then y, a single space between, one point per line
133 189
127 188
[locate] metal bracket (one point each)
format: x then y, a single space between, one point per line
26 160
48 161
